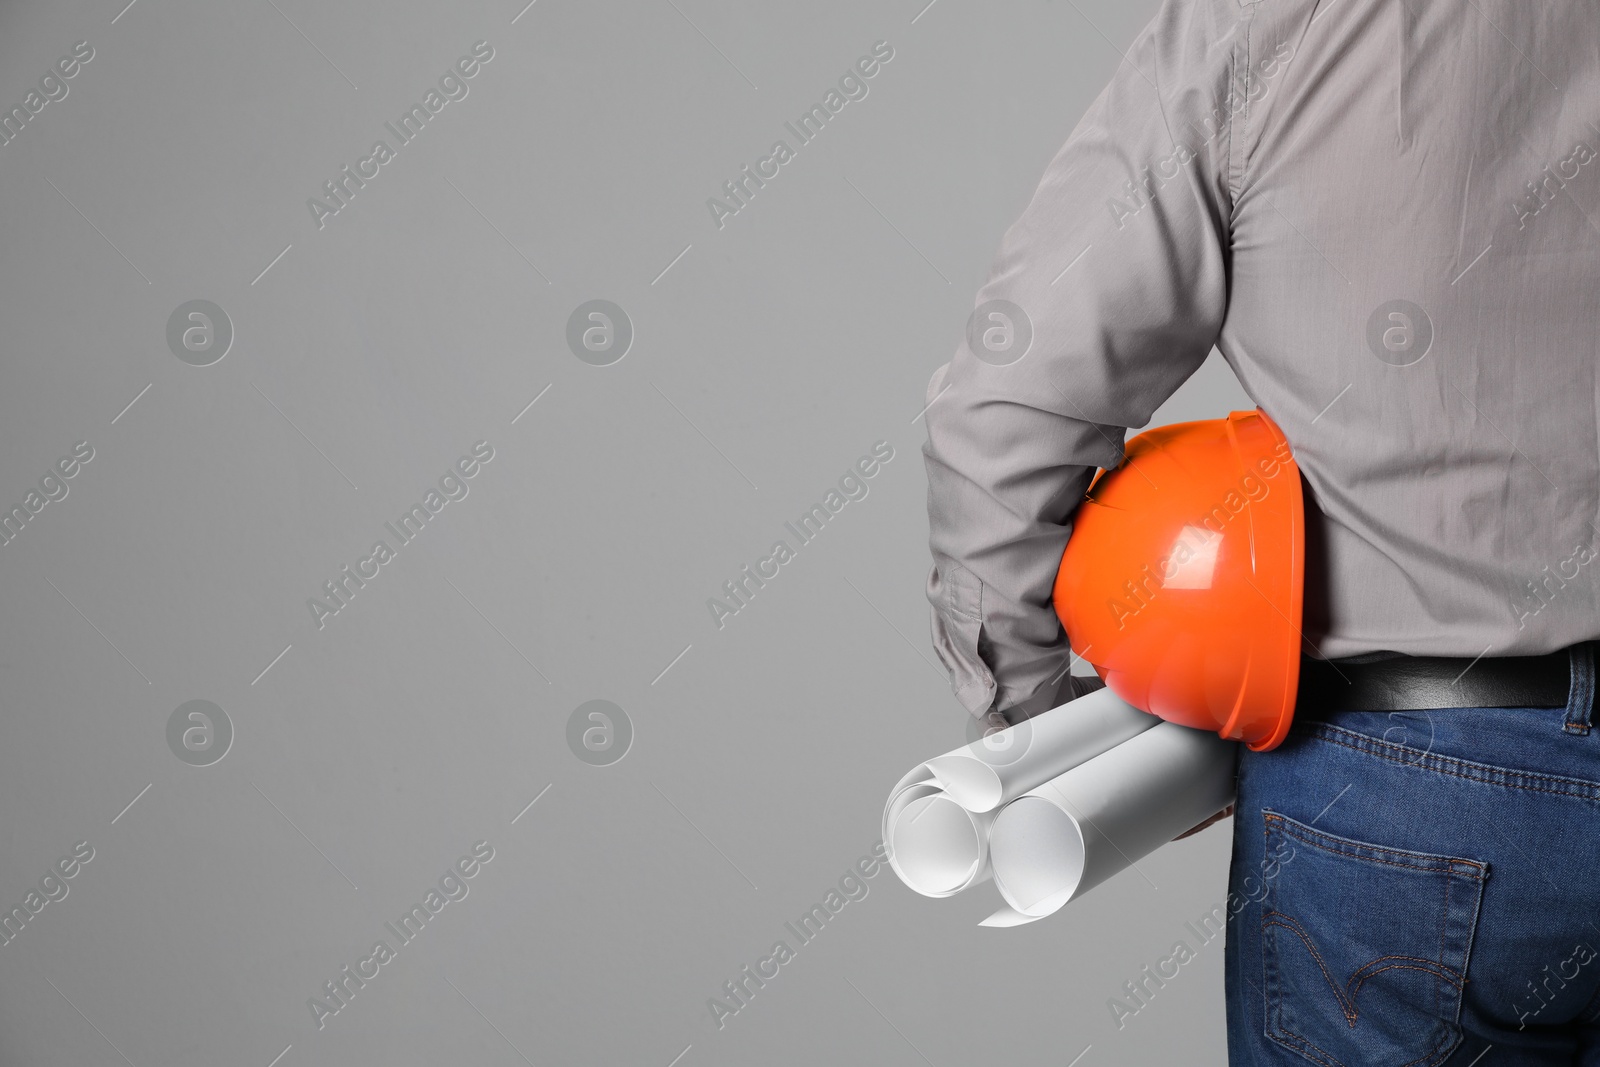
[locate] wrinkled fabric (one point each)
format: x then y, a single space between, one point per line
1417 887
1386 217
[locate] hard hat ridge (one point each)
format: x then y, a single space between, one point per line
1182 581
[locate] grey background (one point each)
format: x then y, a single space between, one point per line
430 711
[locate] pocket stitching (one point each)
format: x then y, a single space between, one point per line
1304 1045
1450 1036
1447 867
1347 1000
1301 1045
1288 922
1433 967
1489 774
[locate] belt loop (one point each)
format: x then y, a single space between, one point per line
1580 697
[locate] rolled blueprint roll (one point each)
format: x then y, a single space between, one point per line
936 846
938 818
1058 841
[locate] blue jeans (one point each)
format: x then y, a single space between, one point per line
1418 888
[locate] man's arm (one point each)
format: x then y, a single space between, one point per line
1119 268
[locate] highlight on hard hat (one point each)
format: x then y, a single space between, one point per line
1182 581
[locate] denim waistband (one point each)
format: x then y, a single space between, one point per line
1580 697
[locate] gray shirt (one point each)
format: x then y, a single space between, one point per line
1386 216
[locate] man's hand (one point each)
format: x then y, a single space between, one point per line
1218 817
1063 688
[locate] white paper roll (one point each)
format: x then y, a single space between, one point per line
938 818
1002 766
936 846
1060 840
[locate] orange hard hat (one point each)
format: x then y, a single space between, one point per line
1182 581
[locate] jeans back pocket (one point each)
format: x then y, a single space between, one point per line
1365 947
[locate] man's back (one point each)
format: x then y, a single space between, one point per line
1414 296
1386 215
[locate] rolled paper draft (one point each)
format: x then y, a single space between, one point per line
1060 840
938 818
1006 764
937 847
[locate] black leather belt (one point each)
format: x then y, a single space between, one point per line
1417 683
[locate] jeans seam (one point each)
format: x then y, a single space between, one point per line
1327 845
1444 925
1580 692
1301 1045
1587 790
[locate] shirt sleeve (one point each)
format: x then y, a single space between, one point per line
1103 298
